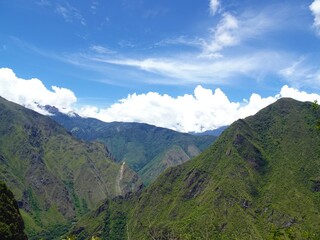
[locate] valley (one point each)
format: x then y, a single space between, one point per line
258 180
147 149
159 120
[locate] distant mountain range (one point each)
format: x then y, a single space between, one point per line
216 132
147 149
259 180
55 177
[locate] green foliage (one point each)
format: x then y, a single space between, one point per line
109 221
11 223
315 107
258 181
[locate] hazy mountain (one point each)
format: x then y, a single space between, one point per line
147 149
11 223
216 132
259 180
55 177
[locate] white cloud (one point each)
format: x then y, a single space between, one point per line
301 73
204 61
199 70
315 9
203 110
298 95
32 92
235 29
214 6
224 35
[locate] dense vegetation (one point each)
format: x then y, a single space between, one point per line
109 221
260 180
55 178
11 223
147 149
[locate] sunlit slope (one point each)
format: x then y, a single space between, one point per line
259 180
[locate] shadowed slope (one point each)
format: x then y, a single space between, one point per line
11 223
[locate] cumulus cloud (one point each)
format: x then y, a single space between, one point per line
298 95
200 111
214 6
315 10
33 92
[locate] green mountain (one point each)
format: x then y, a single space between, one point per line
11 223
259 180
54 177
147 149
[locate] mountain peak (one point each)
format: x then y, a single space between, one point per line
259 179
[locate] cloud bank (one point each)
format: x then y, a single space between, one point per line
203 110
31 93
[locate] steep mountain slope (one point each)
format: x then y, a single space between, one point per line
259 180
11 223
147 149
55 177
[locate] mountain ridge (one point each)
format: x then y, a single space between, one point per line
259 180
147 149
52 174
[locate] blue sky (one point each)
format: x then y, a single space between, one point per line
152 61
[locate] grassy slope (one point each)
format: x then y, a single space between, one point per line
108 221
55 177
146 149
260 180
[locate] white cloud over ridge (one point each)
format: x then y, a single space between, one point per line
203 110
32 92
